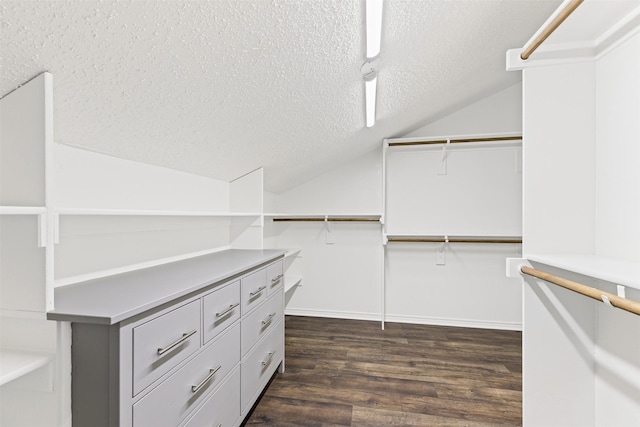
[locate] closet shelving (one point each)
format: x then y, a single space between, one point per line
26 268
581 218
438 197
291 279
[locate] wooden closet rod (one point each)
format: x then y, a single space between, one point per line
335 219
428 239
457 141
552 24
595 293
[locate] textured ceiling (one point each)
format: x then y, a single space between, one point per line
219 88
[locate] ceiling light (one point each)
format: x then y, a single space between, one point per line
374 27
370 86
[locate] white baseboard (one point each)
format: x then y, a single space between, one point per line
461 323
436 321
333 314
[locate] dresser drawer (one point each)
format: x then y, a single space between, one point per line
171 402
260 364
220 309
222 408
254 290
275 277
163 342
260 321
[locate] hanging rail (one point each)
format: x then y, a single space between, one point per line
550 26
456 141
438 239
595 293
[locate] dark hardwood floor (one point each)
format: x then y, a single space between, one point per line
352 373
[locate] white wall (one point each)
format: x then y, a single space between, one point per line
355 187
499 112
89 180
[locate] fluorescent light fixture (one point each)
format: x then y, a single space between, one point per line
370 86
374 27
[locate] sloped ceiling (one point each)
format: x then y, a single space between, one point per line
219 88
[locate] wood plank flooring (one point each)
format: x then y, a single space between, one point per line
351 373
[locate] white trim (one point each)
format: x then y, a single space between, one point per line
375 317
460 323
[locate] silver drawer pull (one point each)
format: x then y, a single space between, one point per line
176 343
228 310
212 372
257 291
268 319
278 277
268 359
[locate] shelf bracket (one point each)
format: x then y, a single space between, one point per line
621 291
442 167
441 252
328 237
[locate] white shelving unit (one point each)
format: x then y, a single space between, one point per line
581 218
29 354
448 226
292 278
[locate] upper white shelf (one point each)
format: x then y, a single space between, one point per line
22 210
133 212
610 269
16 363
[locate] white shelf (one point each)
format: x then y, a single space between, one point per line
17 363
292 252
129 212
613 270
291 282
22 210
113 271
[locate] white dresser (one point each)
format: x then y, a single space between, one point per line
191 343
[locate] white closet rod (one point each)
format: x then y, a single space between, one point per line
554 21
622 303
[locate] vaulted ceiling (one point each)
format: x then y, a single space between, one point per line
219 88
